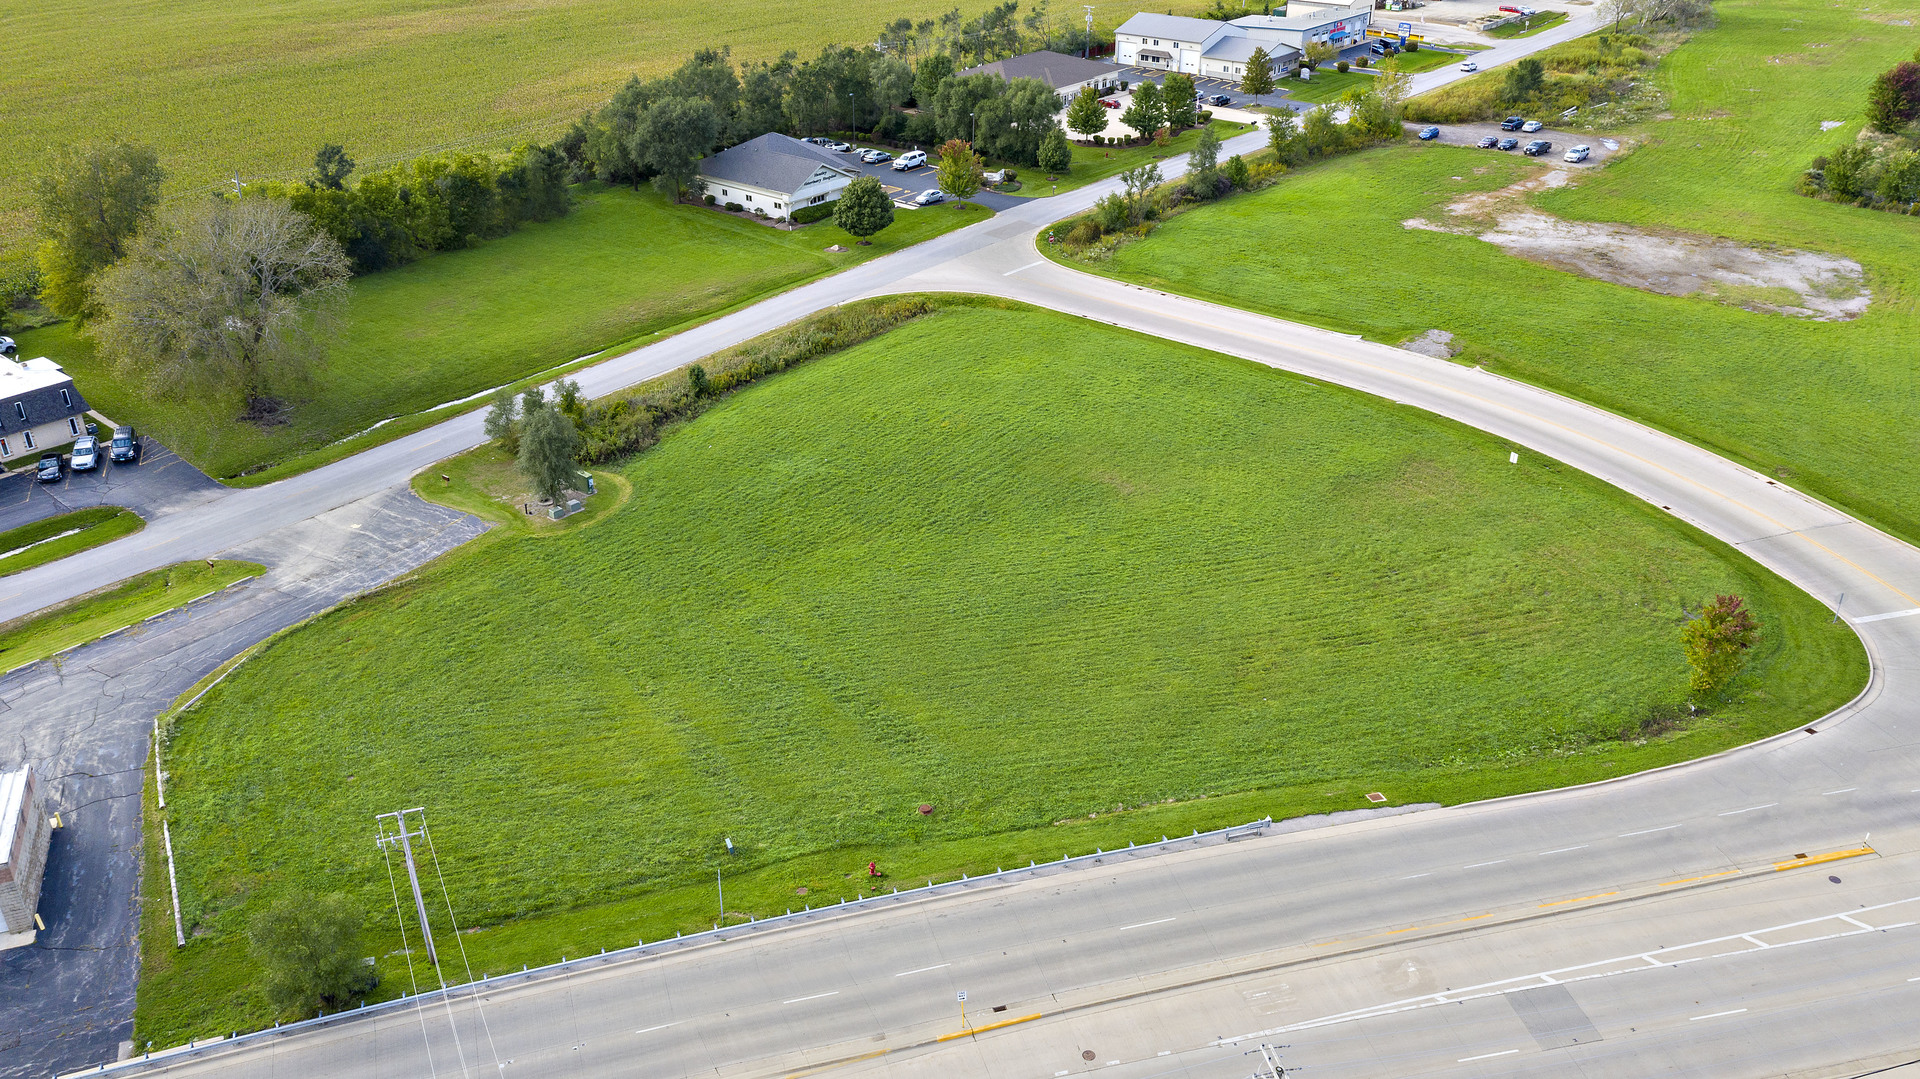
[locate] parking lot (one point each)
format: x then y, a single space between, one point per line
1599 149
159 482
902 185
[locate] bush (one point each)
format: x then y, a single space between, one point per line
1084 233
1413 46
1206 116
309 947
1099 140
1341 67
735 207
708 199
807 215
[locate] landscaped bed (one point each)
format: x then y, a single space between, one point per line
1065 585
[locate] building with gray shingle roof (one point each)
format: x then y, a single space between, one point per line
40 408
776 174
1065 74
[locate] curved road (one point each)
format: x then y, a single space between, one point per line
1676 922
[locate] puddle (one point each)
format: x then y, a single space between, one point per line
1784 281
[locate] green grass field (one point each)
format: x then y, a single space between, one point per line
1326 85
1831 407
47 540
622 266
1092 163
1026 569
258 90
97 614
1423 60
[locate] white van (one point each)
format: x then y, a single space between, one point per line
912 159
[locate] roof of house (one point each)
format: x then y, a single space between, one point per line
773 161
1057 70
1299 22
1177 27
1238 48
36 384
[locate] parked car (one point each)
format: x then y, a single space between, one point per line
838 147
1470 66
124 446
1537 147
50 469
1507 143
817 140
86 454
929 197
1109 103
1220 99
1429 132
7 347
1512 123
912 159
1489 142
1578 153
876 157
1531 126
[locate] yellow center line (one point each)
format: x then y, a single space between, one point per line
1582 899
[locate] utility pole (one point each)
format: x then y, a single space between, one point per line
1270 1061
1089 8
405 838
237 185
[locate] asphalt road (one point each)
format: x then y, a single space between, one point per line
159 483
1632 927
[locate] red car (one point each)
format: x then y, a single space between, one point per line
1109 103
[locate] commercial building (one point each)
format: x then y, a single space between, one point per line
25 834
776 175
39 408
1067 75
1221 49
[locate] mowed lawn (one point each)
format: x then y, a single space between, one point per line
623 265
1828 406
1014 566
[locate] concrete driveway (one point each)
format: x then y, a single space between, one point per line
160 482
1601 148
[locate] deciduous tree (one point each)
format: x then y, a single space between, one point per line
1203 165
1321 133
331 167
1318 52
961 173
1524 79
1894 101
671 138
549 442
1258 78
1283 138
1147 113
1717 642
1086 117
91 202
1176 101
928 76
1056 154
863 208
228 294
502 424
309 947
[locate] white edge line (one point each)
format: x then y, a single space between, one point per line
1488 1056
816 996
922 970
1562 850
1417 875
1749 809
1648 831
1715 1015
1037 262
1890 614
1477 865
662 1026
1142 925
1842 790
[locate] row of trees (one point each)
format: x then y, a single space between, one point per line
998 32
1881 169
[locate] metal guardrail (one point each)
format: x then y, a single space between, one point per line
717 935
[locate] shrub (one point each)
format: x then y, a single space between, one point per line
735 207
1413 46
1099 140
1206 116
1341 67
708 199
1084 233
807 215
1113 213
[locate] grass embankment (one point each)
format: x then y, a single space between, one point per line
1326 85
99 613
1023 568
1530 25
1092 163
1426 59
622 266
487 483
56 537
1827 406
1595 68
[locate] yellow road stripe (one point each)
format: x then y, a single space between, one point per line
1831 856
1582 899
990 1026
1709 876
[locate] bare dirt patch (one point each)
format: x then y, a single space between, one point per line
1784 281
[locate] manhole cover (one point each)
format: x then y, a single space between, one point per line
1088 1055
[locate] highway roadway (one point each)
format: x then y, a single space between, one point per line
1749 914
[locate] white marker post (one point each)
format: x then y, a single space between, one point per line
961 996
1513 458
